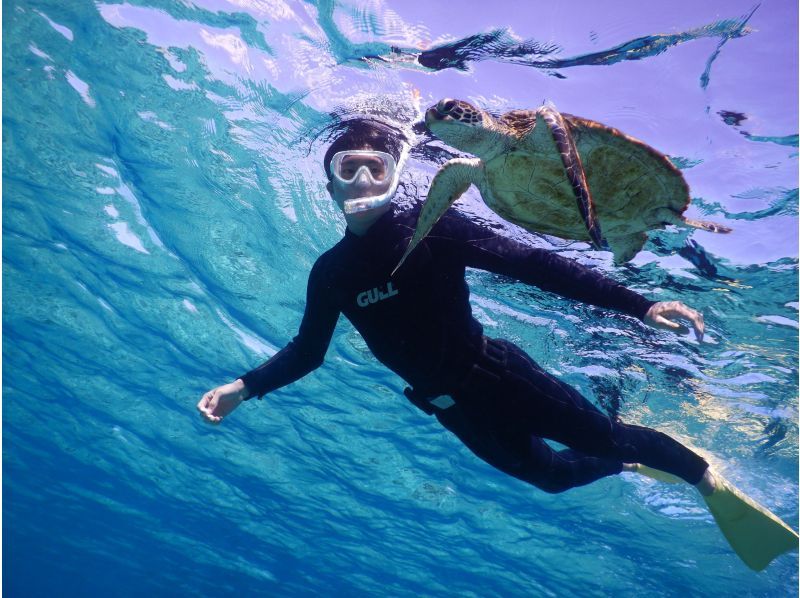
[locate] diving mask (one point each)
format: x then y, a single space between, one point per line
364 179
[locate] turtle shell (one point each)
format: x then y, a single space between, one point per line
634 187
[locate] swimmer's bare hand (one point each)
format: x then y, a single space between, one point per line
661 315
221 401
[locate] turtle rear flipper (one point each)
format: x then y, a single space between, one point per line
711 227
668 216
625 248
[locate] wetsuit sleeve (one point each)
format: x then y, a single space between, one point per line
306 351
480 247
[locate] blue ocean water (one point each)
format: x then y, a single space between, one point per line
163 202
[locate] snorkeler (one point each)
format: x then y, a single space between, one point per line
488 392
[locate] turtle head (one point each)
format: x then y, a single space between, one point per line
463 126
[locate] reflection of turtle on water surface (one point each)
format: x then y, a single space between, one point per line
533 165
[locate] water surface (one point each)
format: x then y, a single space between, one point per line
163 202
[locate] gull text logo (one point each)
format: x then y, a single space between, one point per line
374 295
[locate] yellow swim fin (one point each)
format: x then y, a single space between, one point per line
756 534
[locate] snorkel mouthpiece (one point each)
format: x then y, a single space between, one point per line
354 206
362 204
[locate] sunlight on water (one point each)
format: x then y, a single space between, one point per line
164 202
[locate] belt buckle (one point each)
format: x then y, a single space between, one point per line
429 406
442 402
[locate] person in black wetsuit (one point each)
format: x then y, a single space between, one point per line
419 323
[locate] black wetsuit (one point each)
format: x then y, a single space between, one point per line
419 324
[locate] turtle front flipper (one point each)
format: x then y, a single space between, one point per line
450 183
573 168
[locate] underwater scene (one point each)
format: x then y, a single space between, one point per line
164 201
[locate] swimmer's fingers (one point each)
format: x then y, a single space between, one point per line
676 309
695 317
661 314
202 404
662 322
208 405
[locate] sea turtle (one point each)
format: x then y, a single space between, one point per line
532 166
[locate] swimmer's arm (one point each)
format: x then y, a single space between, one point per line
481 247
302 355
306 351
551 272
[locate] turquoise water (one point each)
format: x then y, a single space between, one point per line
163 202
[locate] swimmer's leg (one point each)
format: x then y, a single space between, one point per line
556 471
515 452
557 411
